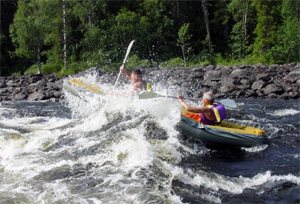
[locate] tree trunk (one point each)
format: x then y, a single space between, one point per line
245 15
205 12
65 35
183 54
39 60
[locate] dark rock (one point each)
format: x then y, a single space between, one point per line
226 88
20 96
272 89
3 84
57 94
275 81
258 85
263 77
16 91
36 96
293 76
212 75
272 95
35 78
240 73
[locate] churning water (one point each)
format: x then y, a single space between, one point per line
110 149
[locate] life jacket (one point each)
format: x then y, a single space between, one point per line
219 111
148 87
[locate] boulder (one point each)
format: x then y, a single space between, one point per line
35 78
293 76
240 73
20 96
258 85
272 89
264 77
226 88
36 96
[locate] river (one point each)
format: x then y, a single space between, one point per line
110 149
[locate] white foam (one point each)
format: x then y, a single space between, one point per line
255 148
284 112
233 185
123 163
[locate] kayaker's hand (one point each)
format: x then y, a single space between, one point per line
180 97
122 69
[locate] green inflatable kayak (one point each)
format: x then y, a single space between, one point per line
225 133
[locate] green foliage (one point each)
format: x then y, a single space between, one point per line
242 11
267 35
98 33
227 61
134 62
198 60
205 54
175 62
46 69
183 41
288 47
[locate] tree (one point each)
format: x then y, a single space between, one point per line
205 12
30 27
288 47
65 33
158 33
92 17
182 41
266 29
241 11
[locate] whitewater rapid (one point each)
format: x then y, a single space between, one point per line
93 148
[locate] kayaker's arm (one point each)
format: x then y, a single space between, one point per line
200 109
122 69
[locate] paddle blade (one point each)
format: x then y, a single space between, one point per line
83 84
149 95
228 102
128 50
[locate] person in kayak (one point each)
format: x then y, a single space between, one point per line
209 113
136 78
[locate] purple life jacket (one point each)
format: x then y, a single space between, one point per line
219 111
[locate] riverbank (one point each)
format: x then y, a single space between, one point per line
30 88
241 81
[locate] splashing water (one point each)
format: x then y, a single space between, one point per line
77 151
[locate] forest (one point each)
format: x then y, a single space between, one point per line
67 36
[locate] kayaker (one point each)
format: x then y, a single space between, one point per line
136 78
209 113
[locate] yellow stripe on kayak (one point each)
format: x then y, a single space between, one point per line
81 83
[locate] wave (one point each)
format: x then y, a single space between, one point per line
284 112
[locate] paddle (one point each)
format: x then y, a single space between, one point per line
81 83
124 61
148 95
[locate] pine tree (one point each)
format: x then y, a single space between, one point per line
266 29
289 43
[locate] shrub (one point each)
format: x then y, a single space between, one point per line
134 62
51 68
174 62
46 69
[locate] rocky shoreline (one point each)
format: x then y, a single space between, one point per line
30 88
241 81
